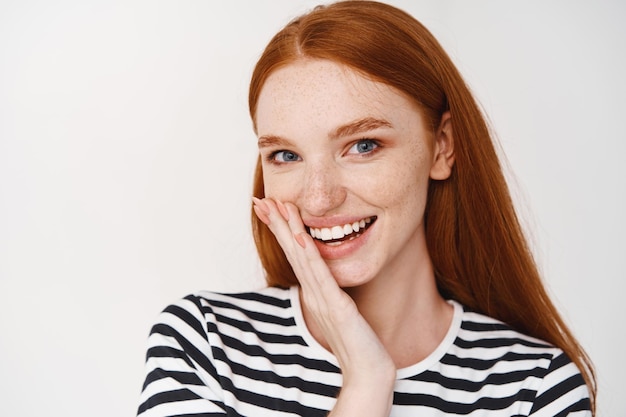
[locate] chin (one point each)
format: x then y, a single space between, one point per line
348 276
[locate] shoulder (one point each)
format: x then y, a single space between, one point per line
268 310
268 305
261 304
479 330
545 374
497 344
202 322
488 350
269 297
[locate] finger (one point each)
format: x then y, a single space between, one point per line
310 268
289 212
262 215
274 214
292 214
283 211
268 211
312 256
279 225
300 239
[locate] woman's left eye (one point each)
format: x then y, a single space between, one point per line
363 146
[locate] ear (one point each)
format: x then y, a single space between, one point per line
443 155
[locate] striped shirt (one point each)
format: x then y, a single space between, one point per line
251 354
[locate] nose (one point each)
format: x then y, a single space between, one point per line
322 189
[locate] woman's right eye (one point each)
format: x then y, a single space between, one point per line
284 156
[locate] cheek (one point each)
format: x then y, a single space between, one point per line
402 186
281 187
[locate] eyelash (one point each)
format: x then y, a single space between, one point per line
272 157
368 141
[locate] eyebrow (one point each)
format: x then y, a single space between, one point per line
355 127
266 141
359 126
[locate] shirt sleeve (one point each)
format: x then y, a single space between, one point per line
181 378
563 391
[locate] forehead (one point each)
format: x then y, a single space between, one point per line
320 94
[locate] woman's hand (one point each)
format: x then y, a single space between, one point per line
367 368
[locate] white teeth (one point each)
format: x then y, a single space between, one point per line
338 232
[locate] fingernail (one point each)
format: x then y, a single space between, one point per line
261 215
261 205
282 209
300 239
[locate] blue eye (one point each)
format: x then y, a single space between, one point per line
364 146
285 156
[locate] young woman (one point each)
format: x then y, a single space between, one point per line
400 283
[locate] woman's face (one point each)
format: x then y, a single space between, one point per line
355 157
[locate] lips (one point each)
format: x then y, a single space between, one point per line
339 233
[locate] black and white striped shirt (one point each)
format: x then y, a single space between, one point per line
251 354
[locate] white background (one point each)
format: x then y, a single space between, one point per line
126 158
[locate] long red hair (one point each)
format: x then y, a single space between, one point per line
478 249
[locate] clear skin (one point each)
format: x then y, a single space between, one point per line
336 148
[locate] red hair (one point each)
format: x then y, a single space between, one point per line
479 252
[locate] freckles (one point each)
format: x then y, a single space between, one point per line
406 187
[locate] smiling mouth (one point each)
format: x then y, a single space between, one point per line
338 234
